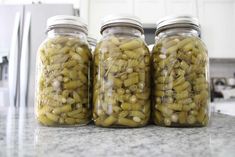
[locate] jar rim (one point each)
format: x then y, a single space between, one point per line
182 21
125 20
67 21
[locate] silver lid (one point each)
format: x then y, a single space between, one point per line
67 21
121 20
178 22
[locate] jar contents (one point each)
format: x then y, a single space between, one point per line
181 87
121 82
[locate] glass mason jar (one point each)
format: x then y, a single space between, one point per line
121 74
180 74
63 69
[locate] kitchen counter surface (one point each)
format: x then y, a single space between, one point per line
21 135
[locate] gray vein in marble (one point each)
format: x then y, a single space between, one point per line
21 135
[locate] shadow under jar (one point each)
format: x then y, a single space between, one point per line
63 69
180 93
121 88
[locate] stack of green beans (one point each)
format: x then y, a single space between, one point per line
121 89
181 89
62 96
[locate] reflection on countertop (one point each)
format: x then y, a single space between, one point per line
21 135
4 94
224 106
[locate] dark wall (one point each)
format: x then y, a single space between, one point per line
149 35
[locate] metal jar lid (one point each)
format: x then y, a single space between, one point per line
67 21
121 20
178 22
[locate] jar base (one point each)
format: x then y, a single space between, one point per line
65 125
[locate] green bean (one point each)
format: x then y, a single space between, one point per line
159 117
70 121
59 110
109 121
184 42
129 106
44 110
191 119
200 87
172 49
127 122
73 84
74 112
44 120
133 44
131 81
182 86
185 101
118 82
137 114
176 107
201 115
184 65
52 117
182 95
182 117
188 47
170 43
179 80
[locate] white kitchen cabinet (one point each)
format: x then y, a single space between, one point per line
97 9
181 7
149 11
217 19
74 2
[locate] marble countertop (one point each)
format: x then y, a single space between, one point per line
21 135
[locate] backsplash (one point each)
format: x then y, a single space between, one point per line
222 73
222 67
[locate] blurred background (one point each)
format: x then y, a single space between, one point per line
23 23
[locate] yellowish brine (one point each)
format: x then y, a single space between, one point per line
62 96
121 88
180 77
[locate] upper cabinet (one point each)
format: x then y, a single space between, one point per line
181 7
149 10
152 10
97 9
217 18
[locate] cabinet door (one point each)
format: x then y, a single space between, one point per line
150 11
217 19
97 9
181 7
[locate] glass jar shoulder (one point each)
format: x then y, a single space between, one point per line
121 43
168 44
65 45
